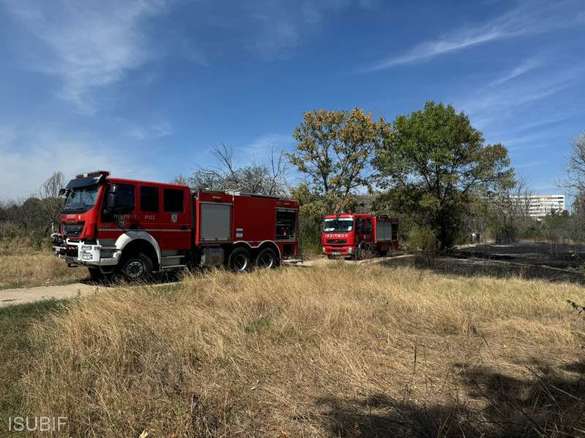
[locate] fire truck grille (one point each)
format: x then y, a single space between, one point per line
72 230
71 251
336 241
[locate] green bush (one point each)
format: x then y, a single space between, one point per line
423 241
310 232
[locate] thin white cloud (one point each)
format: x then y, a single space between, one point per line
430 49
489 102
28 159
529 17
518 71
313 12
260 150
530 142
280 25
90 44
543 123
154 131
529 164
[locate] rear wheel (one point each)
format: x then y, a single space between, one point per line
239 260
267 259
136 267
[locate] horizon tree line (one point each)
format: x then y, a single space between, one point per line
431 167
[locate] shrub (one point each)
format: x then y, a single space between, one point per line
423 240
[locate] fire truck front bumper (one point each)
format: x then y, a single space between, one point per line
81 253
338 251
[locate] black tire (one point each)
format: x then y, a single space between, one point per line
95 275
267 259
239 260
103 275
136 267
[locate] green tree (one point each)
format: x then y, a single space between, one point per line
333 150
311 208
432 162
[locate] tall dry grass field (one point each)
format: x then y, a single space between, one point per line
36 269
331 351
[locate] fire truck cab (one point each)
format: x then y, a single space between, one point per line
115 225
358 236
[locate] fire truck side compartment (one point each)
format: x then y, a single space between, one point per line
216 222
383 230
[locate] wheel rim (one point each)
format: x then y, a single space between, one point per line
240 262
135 269
265 261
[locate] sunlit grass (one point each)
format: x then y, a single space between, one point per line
338 350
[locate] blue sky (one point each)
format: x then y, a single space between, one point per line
146 88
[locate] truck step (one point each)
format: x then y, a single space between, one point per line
166 268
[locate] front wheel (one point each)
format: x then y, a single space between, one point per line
95 274
267 259
239 260
136 267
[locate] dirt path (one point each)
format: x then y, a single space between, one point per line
24 295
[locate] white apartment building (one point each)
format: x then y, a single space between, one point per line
541 205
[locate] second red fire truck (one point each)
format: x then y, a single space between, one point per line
358 235
131 227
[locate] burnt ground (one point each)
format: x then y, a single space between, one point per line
556 255
525 259
528 259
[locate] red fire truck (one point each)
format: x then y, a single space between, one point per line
134 228
358 236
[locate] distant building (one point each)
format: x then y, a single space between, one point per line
539 206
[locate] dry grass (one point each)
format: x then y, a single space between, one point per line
331 351
36 269
15 354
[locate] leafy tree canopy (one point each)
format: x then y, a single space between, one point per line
432 161
333 151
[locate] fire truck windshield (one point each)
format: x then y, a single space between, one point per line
339 225
80 200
